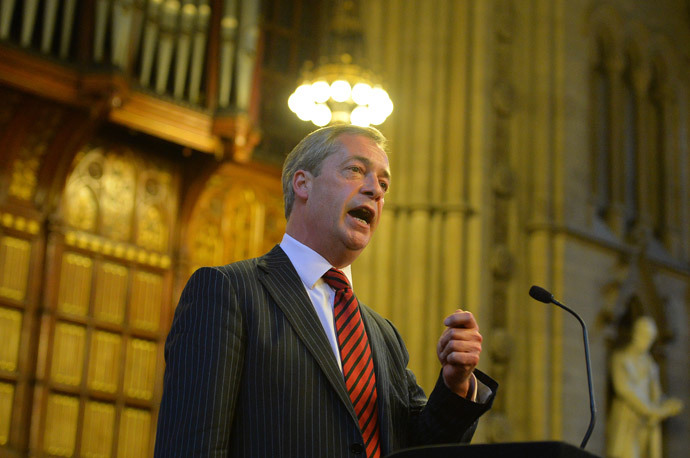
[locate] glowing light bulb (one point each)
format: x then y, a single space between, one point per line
340 90
306 112
293 102
320 91
381 105
321 115
304 92
361 93
301 102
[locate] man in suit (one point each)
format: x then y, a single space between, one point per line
274 356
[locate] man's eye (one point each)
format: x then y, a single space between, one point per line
356 169
384 185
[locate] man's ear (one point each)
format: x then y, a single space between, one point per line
301 183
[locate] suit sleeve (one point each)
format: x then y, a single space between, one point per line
204 355
449 418
444 417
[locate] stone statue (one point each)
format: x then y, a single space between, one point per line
638 407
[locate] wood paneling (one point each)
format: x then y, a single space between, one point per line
238 215
147 290
6 399
97 435
10 328
61 425
90 238
101 329
134 439
104 361
140 369
69 342
111 292
14 265
75 284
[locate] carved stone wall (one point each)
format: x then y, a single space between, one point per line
416 270
494 166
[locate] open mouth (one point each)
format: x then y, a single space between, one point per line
363 214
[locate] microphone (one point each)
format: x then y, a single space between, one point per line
546 297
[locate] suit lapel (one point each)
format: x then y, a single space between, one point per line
280 278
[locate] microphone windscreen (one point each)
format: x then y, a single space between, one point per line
540 294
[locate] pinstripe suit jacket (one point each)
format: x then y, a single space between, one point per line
250 373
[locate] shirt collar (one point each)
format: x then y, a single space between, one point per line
309 264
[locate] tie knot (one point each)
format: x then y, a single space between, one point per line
336 279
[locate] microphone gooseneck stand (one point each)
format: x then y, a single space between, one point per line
546 297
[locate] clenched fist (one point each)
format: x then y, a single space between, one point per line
458 350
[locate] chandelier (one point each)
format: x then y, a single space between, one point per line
339 90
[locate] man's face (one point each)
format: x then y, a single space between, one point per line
346 199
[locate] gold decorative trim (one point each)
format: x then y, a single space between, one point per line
20 223
120 250
25 168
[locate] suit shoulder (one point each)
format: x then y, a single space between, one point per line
234 274
380 321
238 268
249 268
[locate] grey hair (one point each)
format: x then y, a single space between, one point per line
310 153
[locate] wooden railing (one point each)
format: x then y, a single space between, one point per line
179 70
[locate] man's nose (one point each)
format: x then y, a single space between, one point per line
372 187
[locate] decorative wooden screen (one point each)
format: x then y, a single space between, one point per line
238 215
107 306
24 146
18 245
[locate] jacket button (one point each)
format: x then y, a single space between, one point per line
357 449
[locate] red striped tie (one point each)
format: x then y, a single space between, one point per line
355 354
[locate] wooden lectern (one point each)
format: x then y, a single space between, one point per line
548 449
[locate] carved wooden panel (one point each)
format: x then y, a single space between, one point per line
75 284
147 291
117 198
6 398
14 267
239 215
140 369
111 292
103 332
104 361
68 353
61 425
134 427
97 435
108 254
18 300
10 329
25 167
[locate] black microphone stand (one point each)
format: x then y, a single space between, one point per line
542 295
